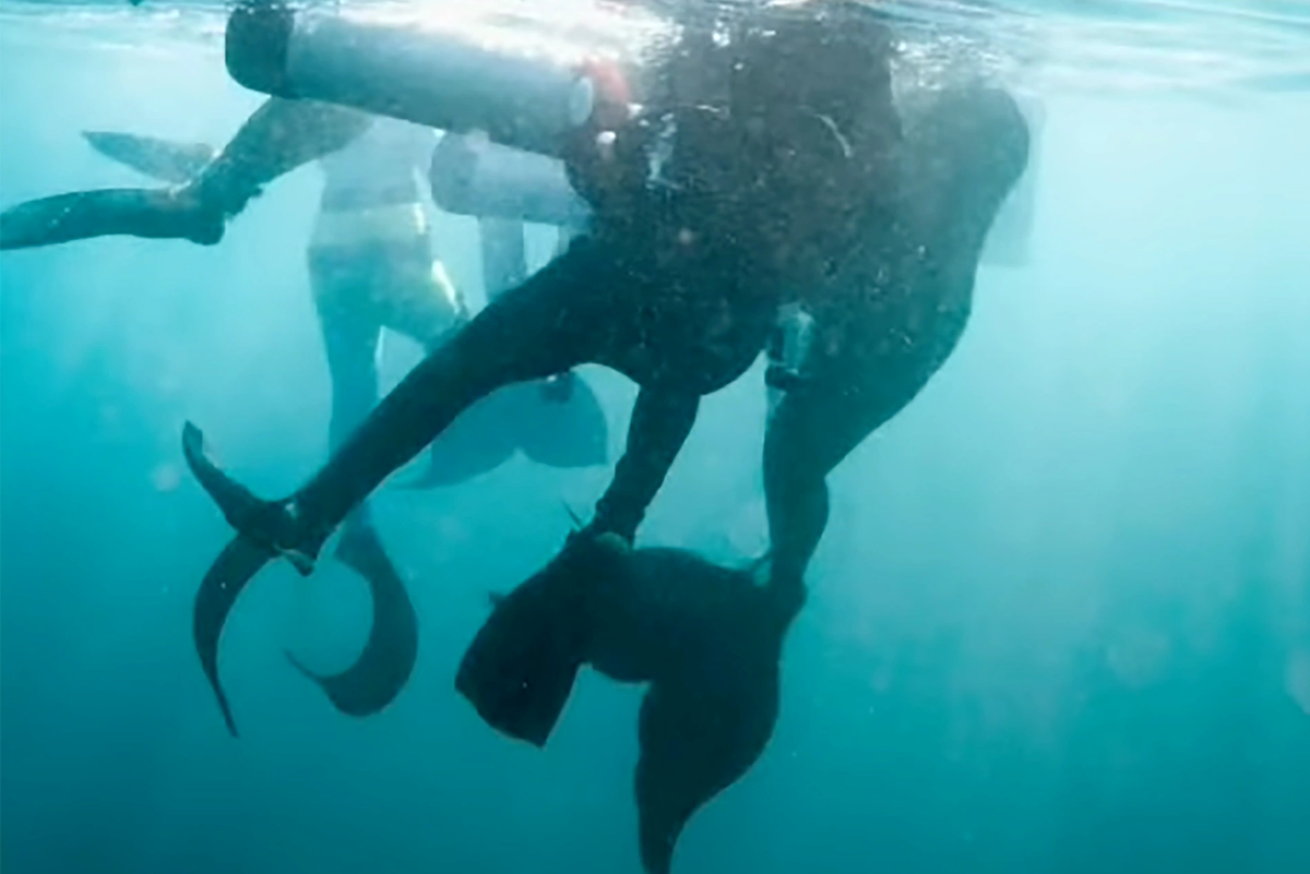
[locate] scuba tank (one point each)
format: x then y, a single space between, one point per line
437 77
471 175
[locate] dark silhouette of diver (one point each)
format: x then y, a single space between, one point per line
371 267
895 310
768 145
706 639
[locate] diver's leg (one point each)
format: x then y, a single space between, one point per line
563 316
279 137
505 265
418 300
842 399
816 425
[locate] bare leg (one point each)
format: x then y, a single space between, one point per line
350 340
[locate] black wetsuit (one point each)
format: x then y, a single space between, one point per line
895 312
704 212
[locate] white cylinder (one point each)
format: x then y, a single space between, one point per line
471 175
438 78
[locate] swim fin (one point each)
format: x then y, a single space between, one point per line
571 432
136 212
566 433
268 523
481 439
519 670
227 577
696 738
164 160
387 660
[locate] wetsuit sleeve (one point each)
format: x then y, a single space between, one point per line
279 137
661 421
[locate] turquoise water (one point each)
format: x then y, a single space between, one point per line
1061 616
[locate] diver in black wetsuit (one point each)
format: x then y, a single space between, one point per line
895 310
676 287
742 181
707 639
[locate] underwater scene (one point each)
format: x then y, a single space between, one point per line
652 436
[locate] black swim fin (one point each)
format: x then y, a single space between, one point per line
167 161
267 523
135 212
519 670
696 738
387 660
481 439
235 566
568 433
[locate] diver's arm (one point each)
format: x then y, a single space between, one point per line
279 137
661 421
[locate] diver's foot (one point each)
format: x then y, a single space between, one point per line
558 389
789 594
786 588
273 525
593 554
194 219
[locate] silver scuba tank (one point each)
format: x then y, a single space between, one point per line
433 76
470 175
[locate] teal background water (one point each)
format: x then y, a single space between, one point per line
1060 620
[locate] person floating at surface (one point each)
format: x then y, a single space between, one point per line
741 179
371 267
894 312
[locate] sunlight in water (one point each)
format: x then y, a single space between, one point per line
564 32
1105 46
